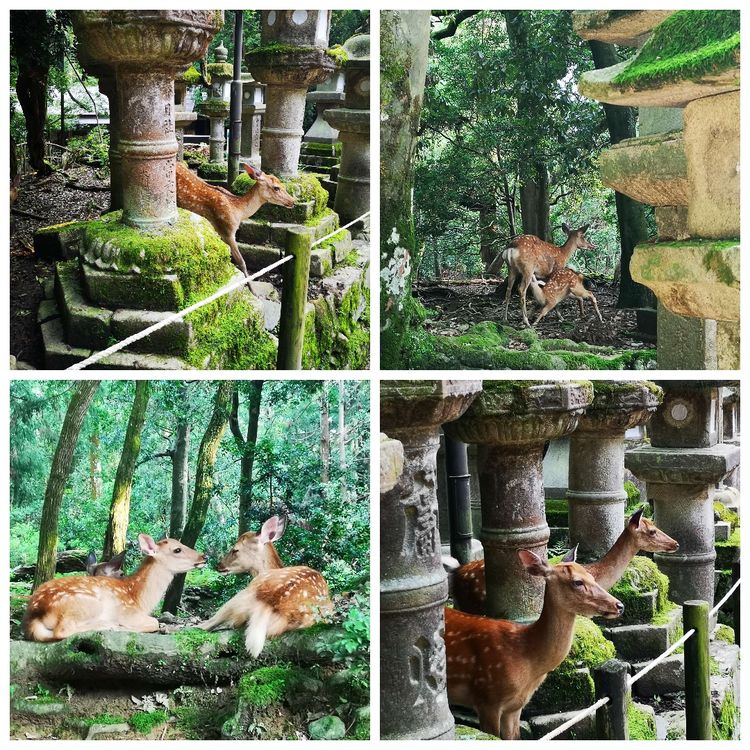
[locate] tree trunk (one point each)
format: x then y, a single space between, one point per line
487 247
404 42
31 88
204 483
68 561
58 477
180 482
95 468
631 215
119 511
342 437
325 436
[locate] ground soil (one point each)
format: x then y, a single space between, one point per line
458 306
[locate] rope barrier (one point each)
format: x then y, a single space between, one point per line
637 676
197 306
575 719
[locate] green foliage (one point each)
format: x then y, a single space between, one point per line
641 724
266 685
104 718
143 722
93 148
725 514
725 724
212 171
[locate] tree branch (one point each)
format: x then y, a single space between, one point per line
452 24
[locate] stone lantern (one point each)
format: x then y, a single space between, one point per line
328 94
253 108
293 56
216 106
353 124
183 117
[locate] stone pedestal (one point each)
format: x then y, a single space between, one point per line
510 421
413 588
681 467
596 498
292 57
253 108
328 94
353 124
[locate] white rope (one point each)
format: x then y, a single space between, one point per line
575 719
723 599
333 234
230 287
637 676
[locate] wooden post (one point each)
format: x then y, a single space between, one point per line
611 680
736 602
296 275
697 671
459 499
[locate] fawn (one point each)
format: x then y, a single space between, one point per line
111 568
528 256
64 606
225 210
494 666
563 283
278 599
639 535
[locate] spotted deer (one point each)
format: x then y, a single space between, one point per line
111 568
278 599
528 256
639 535
225 210
64 606
494 666
562 284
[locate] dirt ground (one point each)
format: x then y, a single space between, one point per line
462 305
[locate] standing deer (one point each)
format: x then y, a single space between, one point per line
563 283
639 535
226 211
111 568
64 606
494 666
278 599
528 256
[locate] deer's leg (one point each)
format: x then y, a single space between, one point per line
239 261
524 288
580 307
233 614
138 623
489 719
510 725
549 306
512 275
596 307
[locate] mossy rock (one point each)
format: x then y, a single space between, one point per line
728 552
220 69
633 501
191 76
722 513
641 577
210 170
726 723
214 108
641 722
145 722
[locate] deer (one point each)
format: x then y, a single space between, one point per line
530 257
278 599
226 211
111 568
559 286
639 535
494 666
65 606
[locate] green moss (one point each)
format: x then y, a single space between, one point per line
725 514
688 45
192 642
191 76
53 228
104 719
214 108
212 171
323 149
220 69
266 685
133 647
339 54
304 187
144 723
728 552
725 723
724 633
633 501
318 219
642 575
336 53
641 723
715 261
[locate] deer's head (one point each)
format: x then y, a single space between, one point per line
172 554
572 587
111 569
577 235
271 188
250 552
648 536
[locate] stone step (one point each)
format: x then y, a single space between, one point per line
650 170
645 641
299 214
258 256
58 354
666 677
254 232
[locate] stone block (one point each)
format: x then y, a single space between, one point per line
47 311
342 247
172 339
61 242
722 529
666 677
58 354
685 343
254 232
320 262
712 146
583 730
671 222
391 462
160 293
652 120
258 257
271 313
299 214
264 290
644 641
136 361
86 325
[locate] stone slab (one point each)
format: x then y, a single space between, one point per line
666 677
58 355
137 361
59 243
264 290
173 339
271 313
163 293
47 311
583 730
722 530
86 325
645 641
320 262
702 466
258 257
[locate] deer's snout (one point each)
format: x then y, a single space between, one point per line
201 563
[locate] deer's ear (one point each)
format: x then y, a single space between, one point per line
584 228
117 561
565 228
256 174
91 560
571 555
533 564
635 519
148 545
272 530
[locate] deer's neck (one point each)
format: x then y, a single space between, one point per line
608 570
550 637
271 559
149 583
250 203
566 250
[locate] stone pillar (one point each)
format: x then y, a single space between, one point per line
476 497
292 57
328 94
413 585
182 117
353 123
596 498
146 49
253 107
511 420
681 467
216 106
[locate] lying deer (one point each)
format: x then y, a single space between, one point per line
225 210
528 256
562 284
494 666
111 568
640 535
64 606
278 599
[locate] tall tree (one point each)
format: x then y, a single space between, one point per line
180 468
58 477
631 215
325 435
246 445
119 511
404 42
204 483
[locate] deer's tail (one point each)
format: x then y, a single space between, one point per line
536 290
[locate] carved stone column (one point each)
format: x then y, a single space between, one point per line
596 498
413 585
681 467
511 420
253 107
216 106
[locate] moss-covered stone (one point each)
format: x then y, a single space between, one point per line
210 170
641 577
220 69
266 685
194 642
641 722
728 552
191 76
214 108
725 514
726 723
